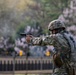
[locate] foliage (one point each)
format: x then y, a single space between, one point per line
22 26
19 13
46 10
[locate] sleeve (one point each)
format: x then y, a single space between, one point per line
42 40
60 43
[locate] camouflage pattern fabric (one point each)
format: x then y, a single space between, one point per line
55 24
60 44
58 41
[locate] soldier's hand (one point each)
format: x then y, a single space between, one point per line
57 60
28 38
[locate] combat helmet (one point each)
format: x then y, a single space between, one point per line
56 24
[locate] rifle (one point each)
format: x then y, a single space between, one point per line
25 34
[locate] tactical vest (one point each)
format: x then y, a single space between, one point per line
72 44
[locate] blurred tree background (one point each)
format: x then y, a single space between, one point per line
15 15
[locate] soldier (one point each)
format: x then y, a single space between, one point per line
64 44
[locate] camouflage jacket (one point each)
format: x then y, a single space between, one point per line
63 42
57 40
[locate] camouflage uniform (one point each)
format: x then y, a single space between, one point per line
59 42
